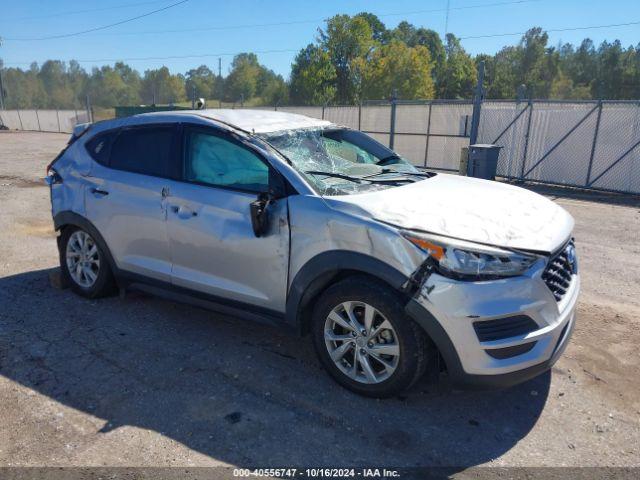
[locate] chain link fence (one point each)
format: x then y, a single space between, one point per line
591 144
61 121
588 144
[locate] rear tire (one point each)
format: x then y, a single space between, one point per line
362 321
84 265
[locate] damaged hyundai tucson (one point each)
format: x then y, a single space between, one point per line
320 229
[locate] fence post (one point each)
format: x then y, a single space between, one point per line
58 118
595 139
477 105
20 119
86 106
426 148
38 119
526 140
324 105
360 115
1 91
392 126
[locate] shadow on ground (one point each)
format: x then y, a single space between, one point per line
238 392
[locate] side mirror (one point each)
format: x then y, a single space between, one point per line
260 214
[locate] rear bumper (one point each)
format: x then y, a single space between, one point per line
447 309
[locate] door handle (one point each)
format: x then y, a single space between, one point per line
183 212
97 191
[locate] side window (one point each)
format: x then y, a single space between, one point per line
99 147
215 161
146 150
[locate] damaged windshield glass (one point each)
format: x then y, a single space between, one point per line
340 161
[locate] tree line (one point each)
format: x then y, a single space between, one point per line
353 58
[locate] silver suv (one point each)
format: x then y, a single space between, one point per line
320 228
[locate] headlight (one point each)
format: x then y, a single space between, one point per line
455 258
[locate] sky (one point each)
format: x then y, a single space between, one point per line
219 28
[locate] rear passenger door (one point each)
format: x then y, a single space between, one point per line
213 245
126 196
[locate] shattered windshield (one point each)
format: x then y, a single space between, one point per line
340 161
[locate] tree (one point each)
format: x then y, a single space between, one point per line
459 73
346 39
397 67
275 91
242 81
113 86
412 36
379 32
53 75
538 64
501 77
202 81
313 77
23 89
161 87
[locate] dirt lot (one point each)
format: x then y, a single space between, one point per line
142 381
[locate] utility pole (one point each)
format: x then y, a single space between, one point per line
477 104
446 22
1 85
1 89
220 67
193 96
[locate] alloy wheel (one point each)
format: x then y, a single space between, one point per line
83 259
361 342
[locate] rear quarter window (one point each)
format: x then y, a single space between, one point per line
99 147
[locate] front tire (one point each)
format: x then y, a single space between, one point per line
84 264
365 340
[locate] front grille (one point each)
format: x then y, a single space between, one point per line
558 272
490 330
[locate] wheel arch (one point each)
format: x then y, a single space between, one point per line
68 218
324 270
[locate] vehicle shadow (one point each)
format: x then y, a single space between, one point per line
236 391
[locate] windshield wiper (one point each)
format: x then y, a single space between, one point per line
359 179
334 174
386 160
386 171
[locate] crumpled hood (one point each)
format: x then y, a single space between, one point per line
466 208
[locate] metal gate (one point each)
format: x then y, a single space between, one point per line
590 144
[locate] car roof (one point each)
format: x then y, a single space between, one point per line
253 121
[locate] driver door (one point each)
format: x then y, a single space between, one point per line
213 246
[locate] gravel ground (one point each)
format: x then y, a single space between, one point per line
141 381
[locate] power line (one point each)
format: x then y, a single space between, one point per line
204 55
569 29
292 22
65 35
92 10
169 57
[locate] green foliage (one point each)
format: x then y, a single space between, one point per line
161 87
242 82
117 85
354 58
397 67
200 82
313 77
459 73
346 40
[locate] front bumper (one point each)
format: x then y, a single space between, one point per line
447 310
